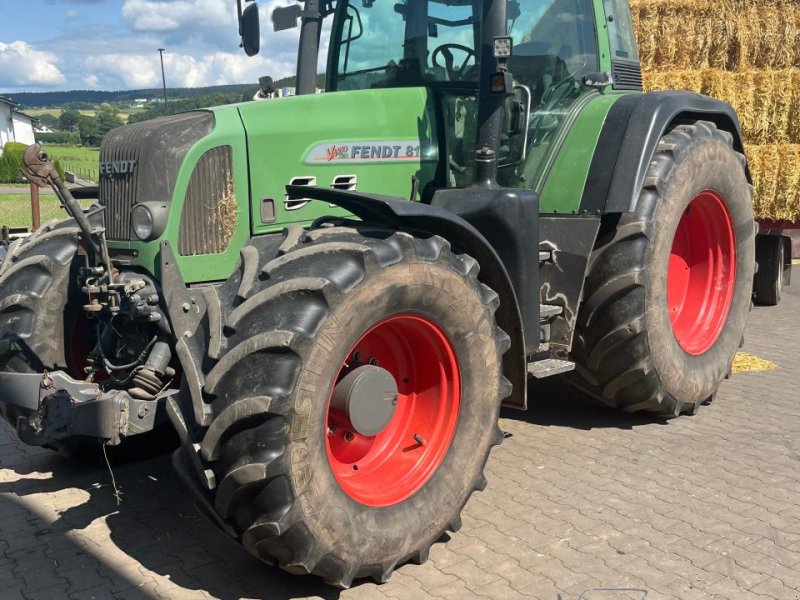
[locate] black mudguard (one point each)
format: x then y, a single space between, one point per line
402 214
629 138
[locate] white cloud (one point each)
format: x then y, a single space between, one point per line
172 15
21 64
114 71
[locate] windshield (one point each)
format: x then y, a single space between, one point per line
408 43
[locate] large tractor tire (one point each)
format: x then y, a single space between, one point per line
355 399
35 300
669 285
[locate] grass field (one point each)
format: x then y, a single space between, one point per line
124 113
84 162
15 209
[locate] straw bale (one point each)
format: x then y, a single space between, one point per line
767 102
776 175
719 34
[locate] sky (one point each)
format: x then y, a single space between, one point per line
48 45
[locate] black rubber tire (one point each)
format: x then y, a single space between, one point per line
768 283
626 354
286 331
34 293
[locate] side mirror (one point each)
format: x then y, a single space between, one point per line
266 85
286 17
250 30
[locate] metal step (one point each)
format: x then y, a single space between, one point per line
549 367
548 311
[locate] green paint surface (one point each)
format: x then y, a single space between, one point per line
286 135
562 190
274 141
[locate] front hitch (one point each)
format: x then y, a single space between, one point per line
55 406
41 171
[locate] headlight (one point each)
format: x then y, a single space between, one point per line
149 219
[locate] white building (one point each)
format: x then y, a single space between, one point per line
15 126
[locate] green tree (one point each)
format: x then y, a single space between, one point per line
50 121
69 120
87 128
107 119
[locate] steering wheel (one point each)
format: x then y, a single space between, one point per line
446 51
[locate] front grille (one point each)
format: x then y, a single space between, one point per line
208 220
140 163
627 75
118 191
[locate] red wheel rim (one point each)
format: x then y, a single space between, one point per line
702 273
389 467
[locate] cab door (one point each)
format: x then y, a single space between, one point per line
554 49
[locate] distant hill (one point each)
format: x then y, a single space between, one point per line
94 97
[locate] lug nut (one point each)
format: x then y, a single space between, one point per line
348 436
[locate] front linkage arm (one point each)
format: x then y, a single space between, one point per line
41 171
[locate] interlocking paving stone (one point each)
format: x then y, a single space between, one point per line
701 507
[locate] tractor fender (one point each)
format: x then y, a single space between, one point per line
401 214
634 126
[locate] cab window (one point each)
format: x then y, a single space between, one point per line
620 30
554 41
408 43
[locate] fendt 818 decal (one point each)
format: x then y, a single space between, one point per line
372 151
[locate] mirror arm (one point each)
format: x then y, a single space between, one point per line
527 91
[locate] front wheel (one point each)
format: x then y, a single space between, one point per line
669 285
355 399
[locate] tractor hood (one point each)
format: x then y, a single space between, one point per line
140 163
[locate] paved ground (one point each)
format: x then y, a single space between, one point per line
794 290
578 498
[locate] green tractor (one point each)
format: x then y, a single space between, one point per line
329 296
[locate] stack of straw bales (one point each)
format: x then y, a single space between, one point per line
746 52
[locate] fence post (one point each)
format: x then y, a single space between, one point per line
35 213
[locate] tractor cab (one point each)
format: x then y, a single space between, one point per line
501 74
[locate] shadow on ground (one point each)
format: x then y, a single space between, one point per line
157 525
553 404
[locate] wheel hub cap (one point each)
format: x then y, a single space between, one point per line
368 396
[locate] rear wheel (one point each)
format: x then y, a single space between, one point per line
355 400
669 286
